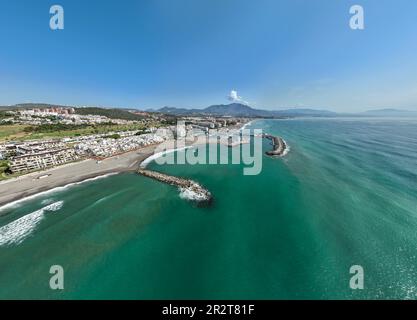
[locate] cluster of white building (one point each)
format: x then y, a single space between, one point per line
63 115
41 154
43 160
107 147
27 117
37 155
45 112
77 119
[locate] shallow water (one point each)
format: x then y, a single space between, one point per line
346 194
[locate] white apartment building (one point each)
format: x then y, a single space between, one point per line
42 160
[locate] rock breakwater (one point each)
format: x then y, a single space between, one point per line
189 189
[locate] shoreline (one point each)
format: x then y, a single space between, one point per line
30 185
51 190
23 187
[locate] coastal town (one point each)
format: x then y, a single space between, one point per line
24 155
57 145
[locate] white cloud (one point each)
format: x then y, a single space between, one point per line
234 97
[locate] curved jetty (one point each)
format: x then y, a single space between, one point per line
189 189
279 145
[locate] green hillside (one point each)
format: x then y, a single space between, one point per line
109 113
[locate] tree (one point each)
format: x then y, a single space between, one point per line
4 166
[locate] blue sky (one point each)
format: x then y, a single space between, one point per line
191 53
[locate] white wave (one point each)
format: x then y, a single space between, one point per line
189 194
16 203
54 206
17 231
157 155
47 201
246 125
287 148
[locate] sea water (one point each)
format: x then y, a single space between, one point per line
346 194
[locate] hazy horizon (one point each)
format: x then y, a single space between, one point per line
224 103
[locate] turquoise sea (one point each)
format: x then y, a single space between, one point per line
346 194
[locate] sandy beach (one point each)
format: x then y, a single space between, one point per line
30 184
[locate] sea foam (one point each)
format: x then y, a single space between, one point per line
190 194
157 155
246 125
17 231
17 203
287 148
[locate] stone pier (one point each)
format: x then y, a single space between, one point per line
192 189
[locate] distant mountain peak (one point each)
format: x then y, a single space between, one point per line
238 109
390 112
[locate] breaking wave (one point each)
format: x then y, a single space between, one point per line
190 194
157 155
16 203
287 148
246 125
47 201
17 231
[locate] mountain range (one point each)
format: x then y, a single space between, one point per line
230 110
242 110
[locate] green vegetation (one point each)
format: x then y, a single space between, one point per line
50 131
170 120
113 136
11 132
4 169
4 114
4 166
140 132
56 127
110 113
